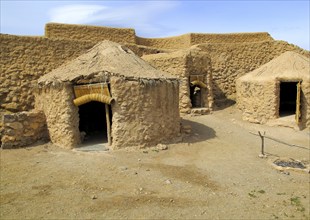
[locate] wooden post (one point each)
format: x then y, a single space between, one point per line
263 142
107 115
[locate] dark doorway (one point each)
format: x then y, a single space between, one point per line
195 96
93 124
288 96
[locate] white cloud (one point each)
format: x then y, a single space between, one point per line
139 15
75 13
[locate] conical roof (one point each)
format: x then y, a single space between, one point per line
107 58
289 65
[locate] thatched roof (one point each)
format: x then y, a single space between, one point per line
105 58
289 65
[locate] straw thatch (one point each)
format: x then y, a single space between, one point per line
105 58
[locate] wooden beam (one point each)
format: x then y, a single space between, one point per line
107 115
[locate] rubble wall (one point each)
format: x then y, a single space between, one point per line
62 115
23 60
144 114
23 128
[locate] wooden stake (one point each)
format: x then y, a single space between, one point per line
263 142
107 115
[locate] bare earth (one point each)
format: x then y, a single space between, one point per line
214 174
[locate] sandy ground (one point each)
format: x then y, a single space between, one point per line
214 174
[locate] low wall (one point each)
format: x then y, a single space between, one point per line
89 33
23 128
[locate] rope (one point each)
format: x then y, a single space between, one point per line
282 142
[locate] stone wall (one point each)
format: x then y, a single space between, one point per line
231 61
23 60
23 128
90 33
62 115
257 100
144 114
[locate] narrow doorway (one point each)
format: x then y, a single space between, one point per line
195 96
289 99
93 123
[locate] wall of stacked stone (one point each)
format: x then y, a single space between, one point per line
145 113
23 128
231 61
62 115
23 60
257 100
89 33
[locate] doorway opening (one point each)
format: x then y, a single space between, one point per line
196 96
289 98
93 123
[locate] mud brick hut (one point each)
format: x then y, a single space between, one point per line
193 68
277 92
111 93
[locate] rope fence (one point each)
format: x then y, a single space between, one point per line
263 136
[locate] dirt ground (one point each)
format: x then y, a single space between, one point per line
213 174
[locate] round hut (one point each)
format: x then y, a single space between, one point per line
111 95
277 92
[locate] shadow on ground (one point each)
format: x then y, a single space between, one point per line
200 132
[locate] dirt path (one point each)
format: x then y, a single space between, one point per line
214 174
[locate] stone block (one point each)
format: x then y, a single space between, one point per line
15 125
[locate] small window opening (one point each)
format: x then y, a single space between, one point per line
195 96
93 124
288 97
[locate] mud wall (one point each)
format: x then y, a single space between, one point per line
231 61
62 115
23 128
144 114
89 33
23 60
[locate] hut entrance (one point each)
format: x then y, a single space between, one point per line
197 88
195 96
93 123
94 102
290 99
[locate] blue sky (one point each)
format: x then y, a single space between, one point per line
284 20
